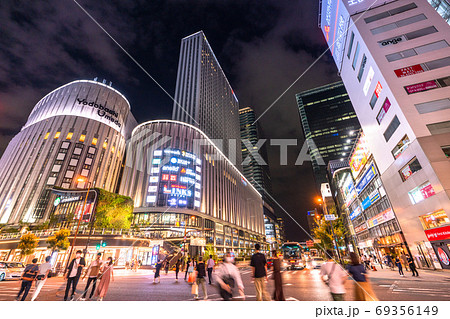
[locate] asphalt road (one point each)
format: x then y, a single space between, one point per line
303 285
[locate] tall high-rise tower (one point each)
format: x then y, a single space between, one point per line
203 96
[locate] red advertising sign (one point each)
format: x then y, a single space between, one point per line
309 243
383 111
378 89
420 87
427 191
440 233
409 70
360 228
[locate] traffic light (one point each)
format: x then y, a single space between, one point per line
97 247
103 243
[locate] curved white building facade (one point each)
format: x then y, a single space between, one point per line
79 129
181 182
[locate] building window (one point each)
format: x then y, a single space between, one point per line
421 193
82 138
410 168
433 106
398 24
46 135
384 108
373 100
389 13
355 58
439 128
350 46
391 128
57 134
435 219
94 141
446 150
69 136
417 50
362 67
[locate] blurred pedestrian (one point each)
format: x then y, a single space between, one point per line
258 263
73 274
412 266
278 294
334 276
210 267
398 263
186 265
167 265
363 289
157 270
28 276
228 277
177 268
190 270
92 273
389 261
41 277
404 260
107 274
200 272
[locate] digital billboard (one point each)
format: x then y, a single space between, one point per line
360 156
175 179
334 23
348 190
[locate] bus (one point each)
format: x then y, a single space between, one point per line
292 255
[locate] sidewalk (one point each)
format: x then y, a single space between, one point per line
424 274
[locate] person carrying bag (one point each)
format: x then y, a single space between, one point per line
29 275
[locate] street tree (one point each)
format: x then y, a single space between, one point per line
59 241
324 232
28 244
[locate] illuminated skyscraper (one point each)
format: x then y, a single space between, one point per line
329 123
204 97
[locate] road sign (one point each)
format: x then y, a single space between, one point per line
330 217
309 243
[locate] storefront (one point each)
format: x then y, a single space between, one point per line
440 241
437 229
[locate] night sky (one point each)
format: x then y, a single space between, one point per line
262 46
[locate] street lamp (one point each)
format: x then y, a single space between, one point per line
80 179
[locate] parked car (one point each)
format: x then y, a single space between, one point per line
317 262
11 269
2 274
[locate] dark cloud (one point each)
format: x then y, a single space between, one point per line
262 46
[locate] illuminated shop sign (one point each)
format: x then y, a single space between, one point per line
383 111
361 228
391 41
334 20
360 156
349 190
356 212
368 81
443 257
366 179
378 89
420 87
409 70
421 192
369 200
435 219
102 111
381 218
441 233
178 179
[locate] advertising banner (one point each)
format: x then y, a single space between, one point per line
360 156
383 111
366 179
382 217
355 213
409 70
441 233
420 87
334 23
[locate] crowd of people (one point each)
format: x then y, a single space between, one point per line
226 276
98 271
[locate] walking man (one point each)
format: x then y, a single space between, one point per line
92 273
259 269
404 261
73 274
334 276
28 276
201 274
412 266
177 268
41 278
210 267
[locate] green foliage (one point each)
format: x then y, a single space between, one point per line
113 211
324 233
59 240
27 244
210 250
